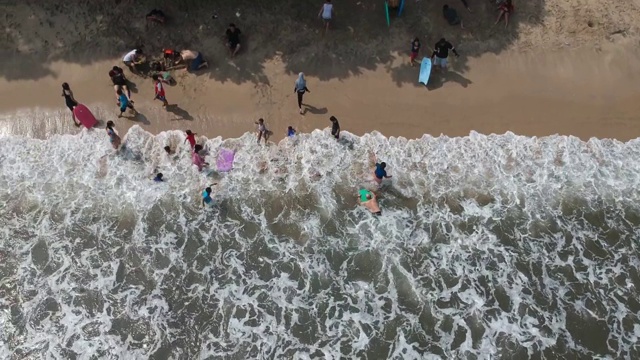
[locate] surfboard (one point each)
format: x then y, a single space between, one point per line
425 71
84 115
401 7
386 11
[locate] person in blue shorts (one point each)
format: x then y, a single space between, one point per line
380 172
291 132
124 103
206 195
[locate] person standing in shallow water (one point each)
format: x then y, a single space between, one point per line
114 139
70 101
300 88
335 127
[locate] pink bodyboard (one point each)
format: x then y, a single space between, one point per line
84 115
225 160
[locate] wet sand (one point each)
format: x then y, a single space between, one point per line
545 74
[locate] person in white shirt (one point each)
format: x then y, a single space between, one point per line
131 59
326 13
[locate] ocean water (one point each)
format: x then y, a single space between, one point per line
489 247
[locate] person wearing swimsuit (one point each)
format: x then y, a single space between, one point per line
114 139
262 132
70 101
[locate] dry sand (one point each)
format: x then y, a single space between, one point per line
562 66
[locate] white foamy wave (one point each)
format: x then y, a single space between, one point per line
496 246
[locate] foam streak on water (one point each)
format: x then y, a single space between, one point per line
488 247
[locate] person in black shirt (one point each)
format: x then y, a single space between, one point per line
335 127
119 81
441 53
233 39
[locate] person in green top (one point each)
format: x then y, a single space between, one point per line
368 199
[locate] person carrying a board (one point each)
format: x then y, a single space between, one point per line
70 101
159 91
415 49
326 13
300 88
441 53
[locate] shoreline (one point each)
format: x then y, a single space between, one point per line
580 92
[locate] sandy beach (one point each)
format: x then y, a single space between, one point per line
547 73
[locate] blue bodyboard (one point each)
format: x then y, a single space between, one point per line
425 71
401 7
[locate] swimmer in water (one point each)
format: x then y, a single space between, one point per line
158 178
368 199
380 172
206 195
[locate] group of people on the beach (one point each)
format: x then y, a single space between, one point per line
193 60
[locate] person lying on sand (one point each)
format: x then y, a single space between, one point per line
368 199
451 15
193 60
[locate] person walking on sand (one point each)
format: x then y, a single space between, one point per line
116 74
262 132
300 88
70 101
197 159
441 53
415 49
380 172
335 127
124 103
326 13
114 139
191 138
159 91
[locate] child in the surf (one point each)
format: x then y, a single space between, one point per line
114 139
191 138
206 195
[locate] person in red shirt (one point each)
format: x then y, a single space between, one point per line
159 90
191 138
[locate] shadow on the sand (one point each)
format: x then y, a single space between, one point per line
360 40
438 79
181 113
314 110
137 117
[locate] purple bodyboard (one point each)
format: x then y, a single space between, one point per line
225 160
